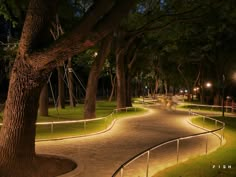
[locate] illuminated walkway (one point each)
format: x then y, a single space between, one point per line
101 155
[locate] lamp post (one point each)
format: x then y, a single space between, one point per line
223 95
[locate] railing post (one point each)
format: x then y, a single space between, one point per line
135 109
177 150
203 121
216 123
122 172
206 143
148 158
52 127
105 122
84 125
222 136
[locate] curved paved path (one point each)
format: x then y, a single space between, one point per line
101 155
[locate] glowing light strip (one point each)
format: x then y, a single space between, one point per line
82 121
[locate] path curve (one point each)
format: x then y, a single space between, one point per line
101 155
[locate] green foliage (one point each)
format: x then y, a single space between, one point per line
13 10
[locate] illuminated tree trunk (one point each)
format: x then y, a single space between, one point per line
70 83
43 101
113 85
128 92
91 90
61 88
31 68
17 148
121 80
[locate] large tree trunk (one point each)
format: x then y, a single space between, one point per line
91 90
43 101
128 92
70 83
156 85
113 85
17 137
30 72
121 80
17 148
61 89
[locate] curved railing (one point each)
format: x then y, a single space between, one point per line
81 126
212 107
143 162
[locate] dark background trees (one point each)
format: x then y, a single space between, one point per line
159 47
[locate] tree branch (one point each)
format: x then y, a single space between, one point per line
35 32
97 23
146 26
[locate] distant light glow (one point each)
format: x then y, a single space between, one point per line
208 84
228 97
95 54
234 76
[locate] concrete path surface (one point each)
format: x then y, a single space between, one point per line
101 155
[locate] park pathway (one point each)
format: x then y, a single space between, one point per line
101 155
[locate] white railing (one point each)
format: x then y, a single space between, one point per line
80 125
141 165
212 107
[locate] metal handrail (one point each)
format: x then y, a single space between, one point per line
53 123
80 121
211 106
147 151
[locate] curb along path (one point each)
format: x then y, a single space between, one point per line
101 155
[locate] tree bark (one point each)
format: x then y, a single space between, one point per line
99 21
43 101
156 85
113 85
121 80
128 91
70 83
17 148
17 136
61 89
91 90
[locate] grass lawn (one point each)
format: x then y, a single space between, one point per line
199 107
79 129
103 108
221 163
